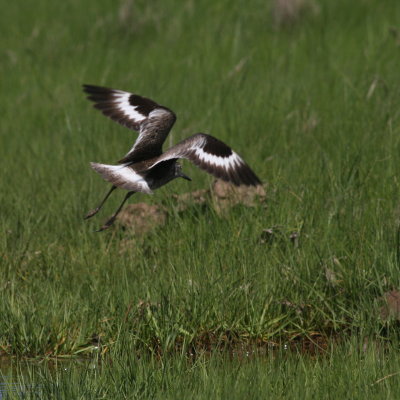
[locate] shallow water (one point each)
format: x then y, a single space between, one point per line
16 390
41 379
12 373
17 377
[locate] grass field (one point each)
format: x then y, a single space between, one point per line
313 106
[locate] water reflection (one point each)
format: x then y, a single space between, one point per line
15 389
10 384
23 379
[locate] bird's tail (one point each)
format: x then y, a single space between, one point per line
122 176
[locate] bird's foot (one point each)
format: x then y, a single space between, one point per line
90 214
107 224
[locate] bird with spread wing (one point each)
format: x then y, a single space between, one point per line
145 167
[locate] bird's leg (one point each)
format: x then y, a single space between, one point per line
111 220
97 209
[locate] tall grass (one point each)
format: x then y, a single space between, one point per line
313 107
341 372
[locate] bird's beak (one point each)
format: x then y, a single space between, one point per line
182 175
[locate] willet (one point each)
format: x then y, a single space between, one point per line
145 167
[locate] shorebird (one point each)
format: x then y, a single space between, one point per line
145 167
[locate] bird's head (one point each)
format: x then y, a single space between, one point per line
179 173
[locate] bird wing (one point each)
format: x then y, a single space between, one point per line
213 156
151 120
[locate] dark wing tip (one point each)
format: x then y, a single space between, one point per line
239 175
247 176
105 100
95 89
98 93
242 175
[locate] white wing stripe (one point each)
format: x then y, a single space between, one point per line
227 162
122 102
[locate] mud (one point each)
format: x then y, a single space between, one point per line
142 218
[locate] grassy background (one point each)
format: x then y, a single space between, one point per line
313 107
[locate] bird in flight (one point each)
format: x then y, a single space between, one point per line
145 167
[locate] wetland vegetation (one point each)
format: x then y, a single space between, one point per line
208 303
